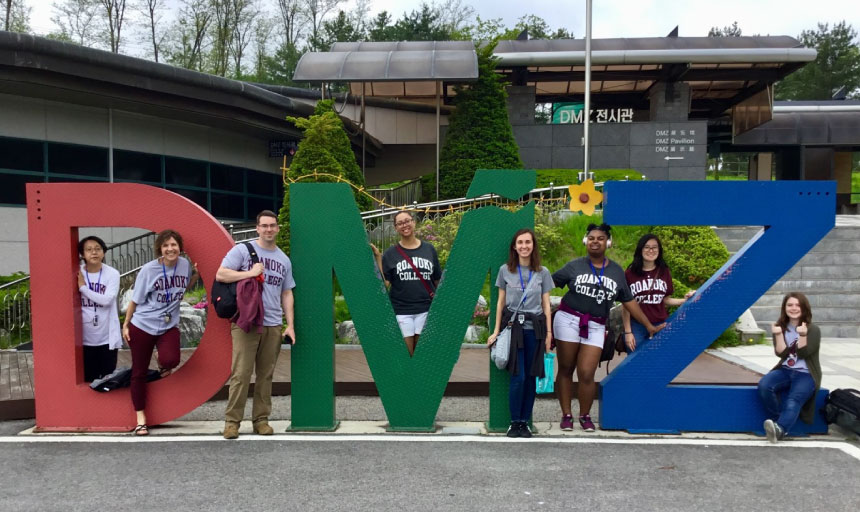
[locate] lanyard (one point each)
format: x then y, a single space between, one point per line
90 286
524 285
168 284
594 271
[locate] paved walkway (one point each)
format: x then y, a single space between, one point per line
839 357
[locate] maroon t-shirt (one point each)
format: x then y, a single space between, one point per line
649 290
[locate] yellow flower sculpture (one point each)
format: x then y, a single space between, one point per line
584 197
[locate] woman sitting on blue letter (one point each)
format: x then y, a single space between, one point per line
798 373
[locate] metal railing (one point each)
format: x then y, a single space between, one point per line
128 256
16 315
406 193
379 224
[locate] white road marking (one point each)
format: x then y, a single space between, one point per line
847 448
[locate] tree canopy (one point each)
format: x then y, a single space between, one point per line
837 65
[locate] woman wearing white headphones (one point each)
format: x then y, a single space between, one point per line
593 283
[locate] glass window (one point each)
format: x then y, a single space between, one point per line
67 179
261 183
181 171
279 189
198 196
13 190
256 205
228 206
81 160
21 154
225 177
134 166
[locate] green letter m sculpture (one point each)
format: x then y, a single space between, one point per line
328 236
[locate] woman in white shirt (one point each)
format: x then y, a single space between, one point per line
99 285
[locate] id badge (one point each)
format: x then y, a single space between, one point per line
96 321
521 318
167 318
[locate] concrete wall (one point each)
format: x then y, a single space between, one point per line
14 249
643 147
391 126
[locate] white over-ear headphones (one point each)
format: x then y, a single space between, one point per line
608 241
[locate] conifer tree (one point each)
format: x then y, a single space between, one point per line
479 135
325 148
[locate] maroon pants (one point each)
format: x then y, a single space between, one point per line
142 344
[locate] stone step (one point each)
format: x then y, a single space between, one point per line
828 329
816 300
802 285
830 258
824 246
824 272
830 314
737 233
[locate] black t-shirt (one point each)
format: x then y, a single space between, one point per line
588 291
408 294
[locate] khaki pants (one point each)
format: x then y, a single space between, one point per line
250 350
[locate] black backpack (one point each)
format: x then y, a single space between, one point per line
223 295
843 408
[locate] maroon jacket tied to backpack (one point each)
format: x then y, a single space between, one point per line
249 302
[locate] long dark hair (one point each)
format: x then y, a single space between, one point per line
514 258
805 310
638 261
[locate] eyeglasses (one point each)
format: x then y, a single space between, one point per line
651 248
93 249
267 226
403 223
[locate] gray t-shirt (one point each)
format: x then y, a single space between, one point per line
588 292
157 296
277 274
510 282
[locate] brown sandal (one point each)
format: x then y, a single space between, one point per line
141 430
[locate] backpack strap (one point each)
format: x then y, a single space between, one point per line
409 260
252 252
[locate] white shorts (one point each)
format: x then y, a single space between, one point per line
565 327
410 325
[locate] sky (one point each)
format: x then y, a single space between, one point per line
622 18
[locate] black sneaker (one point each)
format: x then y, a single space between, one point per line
514 429
773 430
524 429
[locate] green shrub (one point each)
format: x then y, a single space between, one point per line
341 310
693 253
479 135
563 177
441 233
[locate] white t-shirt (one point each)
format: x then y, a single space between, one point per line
99 315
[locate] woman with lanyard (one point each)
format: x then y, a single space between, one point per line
798 374
411 270
153 316
99 285
593 284
524 287
650 281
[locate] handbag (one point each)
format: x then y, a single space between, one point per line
502 347
545 383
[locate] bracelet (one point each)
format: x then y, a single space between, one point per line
628 333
